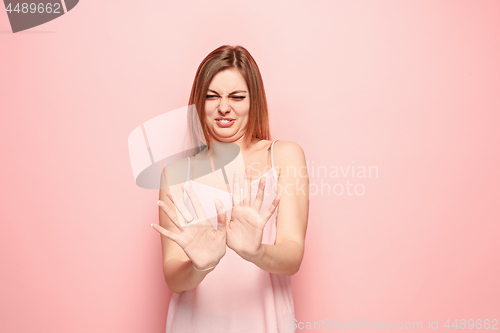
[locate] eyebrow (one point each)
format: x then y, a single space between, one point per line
234 92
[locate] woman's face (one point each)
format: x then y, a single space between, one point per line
227 106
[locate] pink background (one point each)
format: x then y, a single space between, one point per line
411 87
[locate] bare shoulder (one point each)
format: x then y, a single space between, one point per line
288 155
288 152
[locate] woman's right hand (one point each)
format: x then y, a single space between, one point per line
203 244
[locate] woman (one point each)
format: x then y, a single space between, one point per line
233 275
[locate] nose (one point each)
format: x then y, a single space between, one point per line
224 105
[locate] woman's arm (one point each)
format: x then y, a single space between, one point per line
285 256
178 271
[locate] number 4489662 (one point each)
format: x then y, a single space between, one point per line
473 324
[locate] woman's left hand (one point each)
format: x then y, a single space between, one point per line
244 231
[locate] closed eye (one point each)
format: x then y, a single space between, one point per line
233 97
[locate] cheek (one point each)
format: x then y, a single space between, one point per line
243 110
209 109
208 118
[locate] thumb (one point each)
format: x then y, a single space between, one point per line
221 216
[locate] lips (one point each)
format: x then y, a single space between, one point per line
224 122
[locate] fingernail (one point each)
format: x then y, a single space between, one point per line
158 203
151 224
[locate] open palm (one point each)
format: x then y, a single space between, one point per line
201 242
246 227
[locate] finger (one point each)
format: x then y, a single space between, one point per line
198 208
171 214
272 208
221 216
257 205
236 188
247 187
180 206
170 235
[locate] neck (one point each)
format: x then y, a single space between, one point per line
222 153
216 146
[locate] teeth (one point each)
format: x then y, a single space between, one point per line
224 121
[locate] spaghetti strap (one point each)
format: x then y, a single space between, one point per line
189 167
272 156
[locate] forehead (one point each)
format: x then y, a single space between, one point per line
228 80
